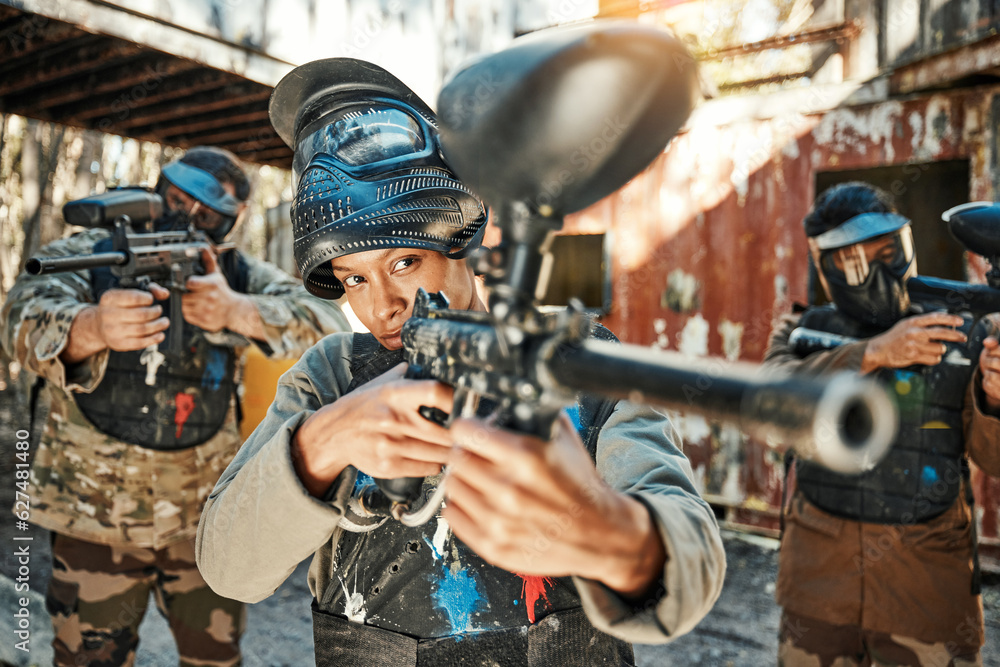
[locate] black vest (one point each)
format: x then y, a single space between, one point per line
923 472
189 398
423 597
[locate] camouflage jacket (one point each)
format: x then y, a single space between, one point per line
93 487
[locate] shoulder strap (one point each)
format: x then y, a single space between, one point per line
595 410
236 269
369 359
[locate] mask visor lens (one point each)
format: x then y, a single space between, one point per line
370 136
853 262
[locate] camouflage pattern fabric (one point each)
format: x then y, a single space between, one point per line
807 642
93 487
98 596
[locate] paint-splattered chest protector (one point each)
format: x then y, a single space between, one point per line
369 170
864 264
161 401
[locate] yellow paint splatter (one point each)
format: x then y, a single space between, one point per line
903 387
936 424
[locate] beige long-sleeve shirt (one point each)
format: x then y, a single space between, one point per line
260 522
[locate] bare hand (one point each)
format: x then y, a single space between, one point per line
127 319
913 341
378 430
989 365
541 508
210 303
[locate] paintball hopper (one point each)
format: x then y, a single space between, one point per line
976 226
138 204
566 116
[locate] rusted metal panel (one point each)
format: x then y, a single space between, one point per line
709 247
944 69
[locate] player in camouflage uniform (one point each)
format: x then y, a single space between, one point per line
123 498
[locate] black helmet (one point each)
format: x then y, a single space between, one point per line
201 174
864 252
368 170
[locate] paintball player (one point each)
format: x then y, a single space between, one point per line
539 556
135 440
880 568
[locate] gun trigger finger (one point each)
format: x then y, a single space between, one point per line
209 262
159 292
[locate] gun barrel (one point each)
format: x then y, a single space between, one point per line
44 265
843 422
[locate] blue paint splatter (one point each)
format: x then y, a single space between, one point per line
929 475
362 480
215 369
573 412
458 596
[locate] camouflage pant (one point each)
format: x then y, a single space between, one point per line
98 595
807 642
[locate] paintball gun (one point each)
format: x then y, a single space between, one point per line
139 255
977 227
511 146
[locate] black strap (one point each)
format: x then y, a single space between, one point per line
36 391
369 359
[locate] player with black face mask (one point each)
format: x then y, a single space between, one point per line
864 264
883 563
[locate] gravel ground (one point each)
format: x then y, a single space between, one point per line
740 631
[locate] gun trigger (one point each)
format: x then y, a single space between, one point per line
436 415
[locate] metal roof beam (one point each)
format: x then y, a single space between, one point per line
190 125
125 102
122 77
197 104
88 58
124 23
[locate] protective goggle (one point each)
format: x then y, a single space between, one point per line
852 263
367 138
207 204
200 215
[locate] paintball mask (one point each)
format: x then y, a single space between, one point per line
864 264
368 170
204 202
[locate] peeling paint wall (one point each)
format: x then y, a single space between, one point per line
711 248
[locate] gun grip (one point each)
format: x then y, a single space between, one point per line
175 332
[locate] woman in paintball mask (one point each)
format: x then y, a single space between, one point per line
555 550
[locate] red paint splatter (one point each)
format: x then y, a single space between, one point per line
185 406
533 588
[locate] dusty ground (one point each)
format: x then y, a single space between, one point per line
740 631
